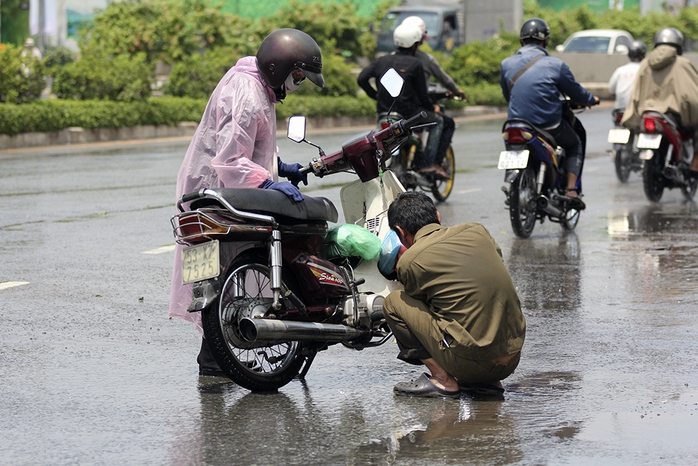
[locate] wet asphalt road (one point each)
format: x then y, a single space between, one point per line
94 372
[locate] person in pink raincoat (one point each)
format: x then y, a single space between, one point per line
235 143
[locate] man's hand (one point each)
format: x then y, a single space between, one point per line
285 187
292 171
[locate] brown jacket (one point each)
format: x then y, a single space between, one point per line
459 273
665 82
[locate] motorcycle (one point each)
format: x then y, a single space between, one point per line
534 169
626 157
402 162
273 287
667 151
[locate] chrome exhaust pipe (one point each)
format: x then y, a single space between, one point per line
543 203
272 330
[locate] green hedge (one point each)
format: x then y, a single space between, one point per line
53 114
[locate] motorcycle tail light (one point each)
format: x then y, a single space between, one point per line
650 125
516 136
619 117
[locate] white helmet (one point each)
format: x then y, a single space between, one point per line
416 21
406 35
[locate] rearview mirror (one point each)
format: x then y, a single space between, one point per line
621 49
560 48
392 82
296 128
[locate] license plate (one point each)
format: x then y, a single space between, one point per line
649 141
618 136
513 159
200 262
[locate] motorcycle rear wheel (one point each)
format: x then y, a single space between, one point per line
652 176
442 188
259 367
623 162
521 213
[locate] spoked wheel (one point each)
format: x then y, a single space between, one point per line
652 177
521 211
689 190
442 188
256 366
623 162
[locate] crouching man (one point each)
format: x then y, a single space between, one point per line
459 314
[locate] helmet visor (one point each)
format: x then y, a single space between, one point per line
312 72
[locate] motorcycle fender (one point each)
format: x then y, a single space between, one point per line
510 175
646 154
204 294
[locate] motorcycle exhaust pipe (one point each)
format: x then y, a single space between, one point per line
273 330
673 173
543 203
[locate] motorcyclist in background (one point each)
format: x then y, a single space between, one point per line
429 62
414 96
621 83
534 96
235 143
666 82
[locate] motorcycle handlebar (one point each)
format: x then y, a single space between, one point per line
411 122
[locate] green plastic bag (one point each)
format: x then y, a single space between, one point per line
351 240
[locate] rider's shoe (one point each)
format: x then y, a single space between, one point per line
435 170
575 201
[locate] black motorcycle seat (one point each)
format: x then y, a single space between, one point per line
274 203
520 122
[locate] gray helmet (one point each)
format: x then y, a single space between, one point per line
669 36
284 50
637 50
535 28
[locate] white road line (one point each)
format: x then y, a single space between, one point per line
5 285
161 250
469 190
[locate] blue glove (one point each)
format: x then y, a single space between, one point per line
292 171
285 187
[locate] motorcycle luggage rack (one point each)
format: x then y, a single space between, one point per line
207 224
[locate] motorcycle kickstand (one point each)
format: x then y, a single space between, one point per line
306 365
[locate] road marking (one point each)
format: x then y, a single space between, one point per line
5 285
469 190
161 250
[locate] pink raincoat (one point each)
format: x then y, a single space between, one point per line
234 147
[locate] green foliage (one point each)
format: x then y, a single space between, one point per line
58 56
327 23
163 30
53 115
479 62
197 75
122 78
318 106
21 78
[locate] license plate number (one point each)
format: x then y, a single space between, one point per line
200 262
649 141
618 136
513 159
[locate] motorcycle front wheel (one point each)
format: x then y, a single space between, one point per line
521 211
260 367
442 188
652 176
571 219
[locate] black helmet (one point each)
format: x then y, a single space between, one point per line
637 50
535 28
669 36
284 50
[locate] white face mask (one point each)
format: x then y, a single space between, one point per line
291 84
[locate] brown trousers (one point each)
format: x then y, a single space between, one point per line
419 337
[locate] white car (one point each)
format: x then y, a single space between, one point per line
608 41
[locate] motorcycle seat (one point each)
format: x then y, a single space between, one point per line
521 123
274 203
